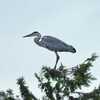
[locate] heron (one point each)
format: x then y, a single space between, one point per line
52 44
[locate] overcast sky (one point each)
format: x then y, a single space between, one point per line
77 22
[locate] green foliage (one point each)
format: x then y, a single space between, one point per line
25 93
59 84
94 95
82 76
62 82
8 95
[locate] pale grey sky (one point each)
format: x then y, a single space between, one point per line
76 22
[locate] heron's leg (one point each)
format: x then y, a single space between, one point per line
57 58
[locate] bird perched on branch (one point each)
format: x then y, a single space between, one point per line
51 43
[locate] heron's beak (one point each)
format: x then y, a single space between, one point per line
29 35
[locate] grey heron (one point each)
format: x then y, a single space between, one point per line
51 43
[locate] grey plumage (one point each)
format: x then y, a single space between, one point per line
52 43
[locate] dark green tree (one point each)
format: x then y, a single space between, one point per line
59 84
25 93
63 82
8 95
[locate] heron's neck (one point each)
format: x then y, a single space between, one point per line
37 40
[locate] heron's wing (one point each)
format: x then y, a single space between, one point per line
53 43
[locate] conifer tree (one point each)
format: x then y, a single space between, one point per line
59 84
63 82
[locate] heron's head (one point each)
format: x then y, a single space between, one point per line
72 49
33 34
